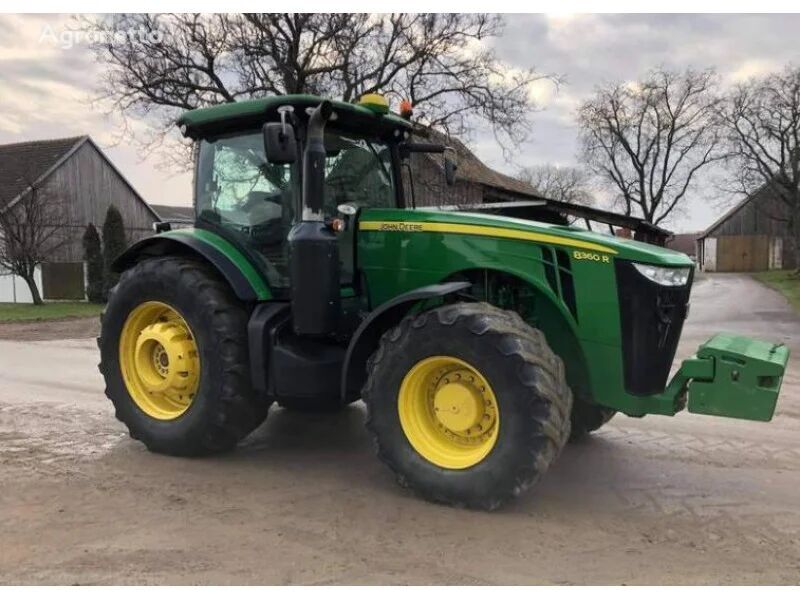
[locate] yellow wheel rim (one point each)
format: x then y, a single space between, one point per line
448 412
159 360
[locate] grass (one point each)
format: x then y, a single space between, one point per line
786 282
48 311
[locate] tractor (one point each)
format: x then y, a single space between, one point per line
480 344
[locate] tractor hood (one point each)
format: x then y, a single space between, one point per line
571 238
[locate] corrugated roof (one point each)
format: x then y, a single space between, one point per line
24 163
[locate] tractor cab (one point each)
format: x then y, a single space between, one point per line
249 176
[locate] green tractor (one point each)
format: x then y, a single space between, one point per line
480 344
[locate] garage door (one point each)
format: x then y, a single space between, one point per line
742 253
62 281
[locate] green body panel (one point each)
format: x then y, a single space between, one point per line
399 250
257 281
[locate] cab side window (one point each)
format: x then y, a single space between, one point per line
358 171
240 191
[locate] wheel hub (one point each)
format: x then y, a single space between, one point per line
462 406
458 407
448 412
164 356
159 360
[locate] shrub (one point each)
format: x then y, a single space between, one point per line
93 255
114 244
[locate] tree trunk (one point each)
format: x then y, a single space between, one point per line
794 227
31 281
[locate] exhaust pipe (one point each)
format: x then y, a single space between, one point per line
314 163
313 248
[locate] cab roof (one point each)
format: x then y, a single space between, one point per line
214 120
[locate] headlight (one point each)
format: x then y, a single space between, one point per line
671 276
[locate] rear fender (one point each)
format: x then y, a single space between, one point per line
244 278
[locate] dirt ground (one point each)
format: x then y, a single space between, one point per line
689 499
56 329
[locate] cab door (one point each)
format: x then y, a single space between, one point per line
358 175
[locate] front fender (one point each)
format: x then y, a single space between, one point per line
366 338
244 278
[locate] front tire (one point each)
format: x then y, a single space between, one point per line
587 418
467 404
174 357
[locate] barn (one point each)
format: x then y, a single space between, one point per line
754 235
685 243
77 174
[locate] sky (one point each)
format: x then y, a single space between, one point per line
49 90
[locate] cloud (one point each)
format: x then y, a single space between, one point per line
590 50
752 68
47 91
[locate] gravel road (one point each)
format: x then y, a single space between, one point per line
689 499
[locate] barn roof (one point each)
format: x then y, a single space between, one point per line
169 213
758 193
26 163
472 169
725 216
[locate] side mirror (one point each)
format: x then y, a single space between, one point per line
450 169
407 148
280 146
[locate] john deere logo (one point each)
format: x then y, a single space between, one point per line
401 227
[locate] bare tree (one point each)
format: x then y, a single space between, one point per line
647 141
567 184
31 230
762 119
161 65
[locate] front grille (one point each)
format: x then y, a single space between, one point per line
557 270
651 319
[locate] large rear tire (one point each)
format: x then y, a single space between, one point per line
173 347
467 404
